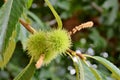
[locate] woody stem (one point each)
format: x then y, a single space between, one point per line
78 54
81 26
5 1
32 30
27 26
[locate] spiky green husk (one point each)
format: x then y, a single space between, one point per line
49 43
59 42
36 44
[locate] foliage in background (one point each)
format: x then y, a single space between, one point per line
102 40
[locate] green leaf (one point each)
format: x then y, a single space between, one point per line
79 68
102 74
111 14
29 3
108 65
23 35
98 41
9 50
58 19
37 20
64 5
97 75
88 73
27 72
83 72
9 15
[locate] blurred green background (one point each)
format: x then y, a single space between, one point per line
103 39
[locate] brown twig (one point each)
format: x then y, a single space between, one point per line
32 30
71 51
81 56
27 26
74 30
82 26
77 28
95 6
78 54
5 1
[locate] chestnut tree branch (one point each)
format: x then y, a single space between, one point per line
81 26
27 26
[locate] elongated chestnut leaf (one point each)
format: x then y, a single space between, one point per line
27 72
108 65
10 12
9 50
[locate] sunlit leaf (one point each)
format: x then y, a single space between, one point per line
29 3
80 74
108 65
84 72
97 75
9 15
88 73
9 50
23 35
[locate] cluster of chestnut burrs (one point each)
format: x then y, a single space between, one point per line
73 31
41 58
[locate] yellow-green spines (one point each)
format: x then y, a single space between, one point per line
36 44
59 42
49 43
